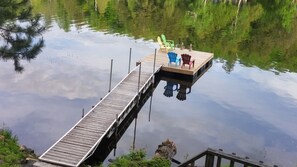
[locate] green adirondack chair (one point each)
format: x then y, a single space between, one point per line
163 47
168 43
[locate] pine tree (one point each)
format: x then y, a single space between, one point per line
20 32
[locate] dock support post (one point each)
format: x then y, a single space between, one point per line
134 137
150 107
129 60
110 75
219 161
117 125
116 134
209 160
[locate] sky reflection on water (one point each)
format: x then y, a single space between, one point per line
249 111
242 112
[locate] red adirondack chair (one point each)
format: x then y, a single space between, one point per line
187 60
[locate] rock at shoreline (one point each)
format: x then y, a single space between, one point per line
27 150
166 150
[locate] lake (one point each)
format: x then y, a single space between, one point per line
245 103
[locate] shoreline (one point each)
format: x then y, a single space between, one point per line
12 152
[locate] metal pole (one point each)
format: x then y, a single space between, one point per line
129 60
115 150
134 137
110 75
117 125
116 134
154 61
139 76
150 107
83 113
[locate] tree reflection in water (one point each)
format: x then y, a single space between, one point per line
20 32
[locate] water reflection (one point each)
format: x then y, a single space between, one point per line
179 84
218 115
19 32
255 33
170 88
249 110
182 89
43 102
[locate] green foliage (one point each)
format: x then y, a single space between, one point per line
137 159
10 152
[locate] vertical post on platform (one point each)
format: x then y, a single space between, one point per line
139 76
129 60
83 113
111 63
154 61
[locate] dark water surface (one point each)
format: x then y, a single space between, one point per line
242 104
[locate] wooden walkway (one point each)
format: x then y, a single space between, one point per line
80 142
83 138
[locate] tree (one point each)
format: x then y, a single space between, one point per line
19 31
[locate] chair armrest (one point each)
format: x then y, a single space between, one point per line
189 90
170 41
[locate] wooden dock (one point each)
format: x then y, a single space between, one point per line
80 142
201 59
83 138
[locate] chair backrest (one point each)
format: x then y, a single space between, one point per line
186 58
170 85
172 56
163 38
159 41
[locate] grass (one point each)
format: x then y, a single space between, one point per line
137 159
11 154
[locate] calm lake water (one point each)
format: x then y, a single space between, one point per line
242 104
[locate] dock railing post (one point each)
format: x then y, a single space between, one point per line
110 75
139 77
129 60
83 113
154 61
